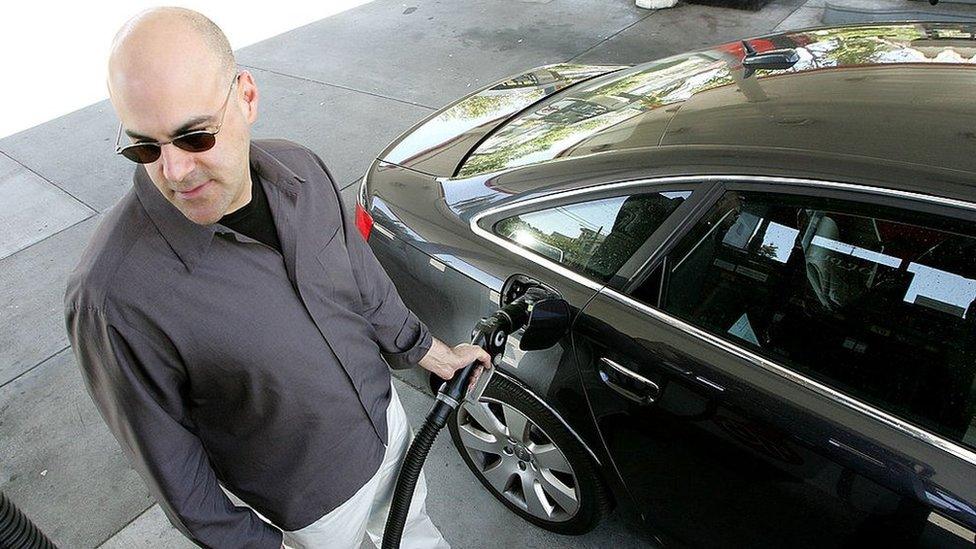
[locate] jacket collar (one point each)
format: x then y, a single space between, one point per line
187 239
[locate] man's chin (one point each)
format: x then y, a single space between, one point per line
201 217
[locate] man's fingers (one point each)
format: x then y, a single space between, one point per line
483 358
474 378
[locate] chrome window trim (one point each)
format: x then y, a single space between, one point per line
816 387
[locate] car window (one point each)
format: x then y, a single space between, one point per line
593 238
879 303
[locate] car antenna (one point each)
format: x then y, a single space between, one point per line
749 51
783 58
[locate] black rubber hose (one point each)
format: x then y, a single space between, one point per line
17 531
409 473
494 328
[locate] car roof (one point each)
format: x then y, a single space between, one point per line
894 93
659 165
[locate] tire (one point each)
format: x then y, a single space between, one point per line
567 494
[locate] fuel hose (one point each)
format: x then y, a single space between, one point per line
490 334
17 531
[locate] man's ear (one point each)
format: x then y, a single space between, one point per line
249 96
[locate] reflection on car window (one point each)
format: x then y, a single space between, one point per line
878 303
593 238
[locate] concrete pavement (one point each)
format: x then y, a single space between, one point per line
345 86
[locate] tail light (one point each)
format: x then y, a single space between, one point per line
364 221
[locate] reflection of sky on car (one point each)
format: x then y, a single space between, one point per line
817 57
856 251
570 220
460 118
930 287
941 287
879 44
596 215
778 240
938 289
486 106
564 122
528 240
581 130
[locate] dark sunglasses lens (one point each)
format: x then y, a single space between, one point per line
142 154
196 142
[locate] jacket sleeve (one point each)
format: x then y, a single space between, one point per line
136 384
402 337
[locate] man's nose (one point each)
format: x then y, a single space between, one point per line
177 163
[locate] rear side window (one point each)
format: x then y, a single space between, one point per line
878 303
593 238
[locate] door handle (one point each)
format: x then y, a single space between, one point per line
628 383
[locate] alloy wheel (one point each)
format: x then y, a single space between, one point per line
518 459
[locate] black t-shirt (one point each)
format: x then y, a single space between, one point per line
254 219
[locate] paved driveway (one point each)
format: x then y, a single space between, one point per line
345 86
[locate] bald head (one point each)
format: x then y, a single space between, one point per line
169 32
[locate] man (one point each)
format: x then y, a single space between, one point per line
230 322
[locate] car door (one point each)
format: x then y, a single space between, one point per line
574 242
795 368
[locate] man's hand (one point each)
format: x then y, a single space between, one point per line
444 361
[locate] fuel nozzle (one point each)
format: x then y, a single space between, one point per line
491 334
518 309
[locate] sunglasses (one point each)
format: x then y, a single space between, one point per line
196 141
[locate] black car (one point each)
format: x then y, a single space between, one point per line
769 249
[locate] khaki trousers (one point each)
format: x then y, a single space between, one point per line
366 511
